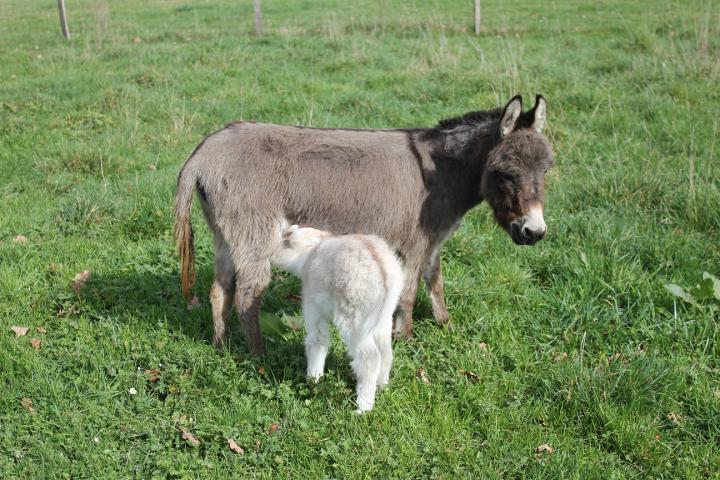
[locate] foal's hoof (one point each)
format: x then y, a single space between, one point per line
364 405
314 377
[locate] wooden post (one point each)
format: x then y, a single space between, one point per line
477 17
63 19
258 17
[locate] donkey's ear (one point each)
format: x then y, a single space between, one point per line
540 113
510 115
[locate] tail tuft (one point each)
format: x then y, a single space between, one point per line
183 230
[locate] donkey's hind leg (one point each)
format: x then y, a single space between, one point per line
222 291
251 281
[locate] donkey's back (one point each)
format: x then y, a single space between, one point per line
333 179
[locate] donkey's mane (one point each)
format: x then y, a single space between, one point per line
479 116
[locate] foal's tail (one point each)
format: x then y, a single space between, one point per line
183 227
395 284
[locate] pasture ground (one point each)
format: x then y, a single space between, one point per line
573 343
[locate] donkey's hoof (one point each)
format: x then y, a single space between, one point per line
257 350
440 312
403 334
220 343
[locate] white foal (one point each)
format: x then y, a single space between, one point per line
355 281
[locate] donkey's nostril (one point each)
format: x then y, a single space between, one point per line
531 236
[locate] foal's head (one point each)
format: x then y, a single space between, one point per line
296 243
514 179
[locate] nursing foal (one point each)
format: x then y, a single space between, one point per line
355 282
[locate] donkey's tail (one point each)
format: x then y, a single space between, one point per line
183 227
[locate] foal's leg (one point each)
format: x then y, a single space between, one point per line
436 288
366 365
222 291
383 341
251 282
363 351
317 339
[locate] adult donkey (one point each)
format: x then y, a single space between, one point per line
409 186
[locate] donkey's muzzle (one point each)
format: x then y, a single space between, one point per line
523 234
530 228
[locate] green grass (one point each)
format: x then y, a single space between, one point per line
584 348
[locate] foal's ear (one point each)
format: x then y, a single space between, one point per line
289 231
540 112
510 115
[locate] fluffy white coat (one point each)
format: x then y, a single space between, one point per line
354 281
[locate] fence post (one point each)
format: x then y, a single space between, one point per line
477 17
258 17
63 19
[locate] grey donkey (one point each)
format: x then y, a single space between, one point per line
410 187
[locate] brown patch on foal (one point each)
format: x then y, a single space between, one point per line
374 254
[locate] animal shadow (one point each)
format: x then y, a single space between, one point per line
155 296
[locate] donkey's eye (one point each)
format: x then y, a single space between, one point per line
505 178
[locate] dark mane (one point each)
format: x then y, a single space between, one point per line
478 119
479 116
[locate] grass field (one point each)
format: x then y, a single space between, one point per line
574 343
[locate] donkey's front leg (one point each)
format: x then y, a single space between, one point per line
436 289
402 325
